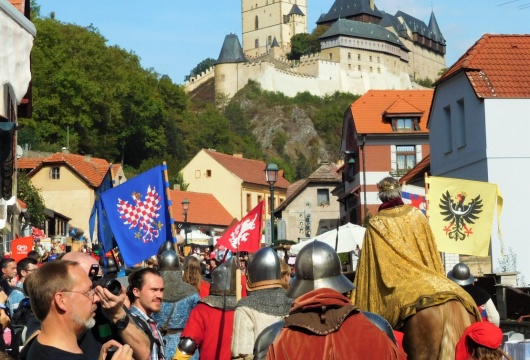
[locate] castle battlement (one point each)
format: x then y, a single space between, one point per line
196 81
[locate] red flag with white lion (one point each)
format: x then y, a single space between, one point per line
246 234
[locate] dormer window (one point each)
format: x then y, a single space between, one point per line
405 124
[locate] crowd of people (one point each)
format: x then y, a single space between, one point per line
209 305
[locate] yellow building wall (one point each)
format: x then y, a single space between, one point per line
225 186
68 195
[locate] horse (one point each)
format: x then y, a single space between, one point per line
432 333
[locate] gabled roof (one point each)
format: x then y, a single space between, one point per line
369 110
250 171
402 106
231 52
342 9
417 172
326 173
295 10
362 30
497 66
115 168
204 209
91 169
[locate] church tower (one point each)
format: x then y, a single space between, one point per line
265 21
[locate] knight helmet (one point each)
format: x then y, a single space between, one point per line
318 266
264 270
461 274
168 260
167 245
224 278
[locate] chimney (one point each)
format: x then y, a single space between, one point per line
372 6
88 158
176 186
65 150
238 155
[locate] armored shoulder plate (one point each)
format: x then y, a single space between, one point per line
187 346
382 324
265 339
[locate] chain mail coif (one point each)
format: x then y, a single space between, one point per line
268 301
175 288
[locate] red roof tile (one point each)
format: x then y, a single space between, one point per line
497 66
248 170
115 168
369 110
28 163
93 170
204 209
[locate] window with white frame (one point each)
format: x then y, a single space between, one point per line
405 158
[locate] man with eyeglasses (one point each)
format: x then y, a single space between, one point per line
64 301
25 267
113 320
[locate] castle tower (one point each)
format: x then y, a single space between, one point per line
264 20
227 67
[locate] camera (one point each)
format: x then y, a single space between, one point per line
111 284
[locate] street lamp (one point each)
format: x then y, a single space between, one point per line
271 174
185 206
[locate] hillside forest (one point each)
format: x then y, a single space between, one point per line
97 99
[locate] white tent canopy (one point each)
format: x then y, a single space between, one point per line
197 237
350 236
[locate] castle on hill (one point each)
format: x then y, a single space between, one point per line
363 48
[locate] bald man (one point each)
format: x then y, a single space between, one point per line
113 309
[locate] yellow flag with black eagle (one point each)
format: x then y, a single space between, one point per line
461 214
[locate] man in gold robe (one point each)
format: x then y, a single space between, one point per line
400 270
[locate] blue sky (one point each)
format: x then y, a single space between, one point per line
173 36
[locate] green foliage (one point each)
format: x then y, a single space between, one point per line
305 44
202 66
33 199
279 141
425 82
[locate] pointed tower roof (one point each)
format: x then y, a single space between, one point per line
433 26
296 11
231 52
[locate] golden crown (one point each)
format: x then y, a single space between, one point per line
386 185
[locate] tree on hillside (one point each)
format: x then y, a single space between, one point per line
201 67
30 195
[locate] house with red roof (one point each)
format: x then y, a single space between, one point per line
310 208
67 183
205 213
239 184
384 134
480 115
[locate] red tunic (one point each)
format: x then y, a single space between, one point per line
211 329
204 289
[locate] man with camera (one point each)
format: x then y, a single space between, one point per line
113 321
64 300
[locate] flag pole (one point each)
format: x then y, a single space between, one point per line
168 197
